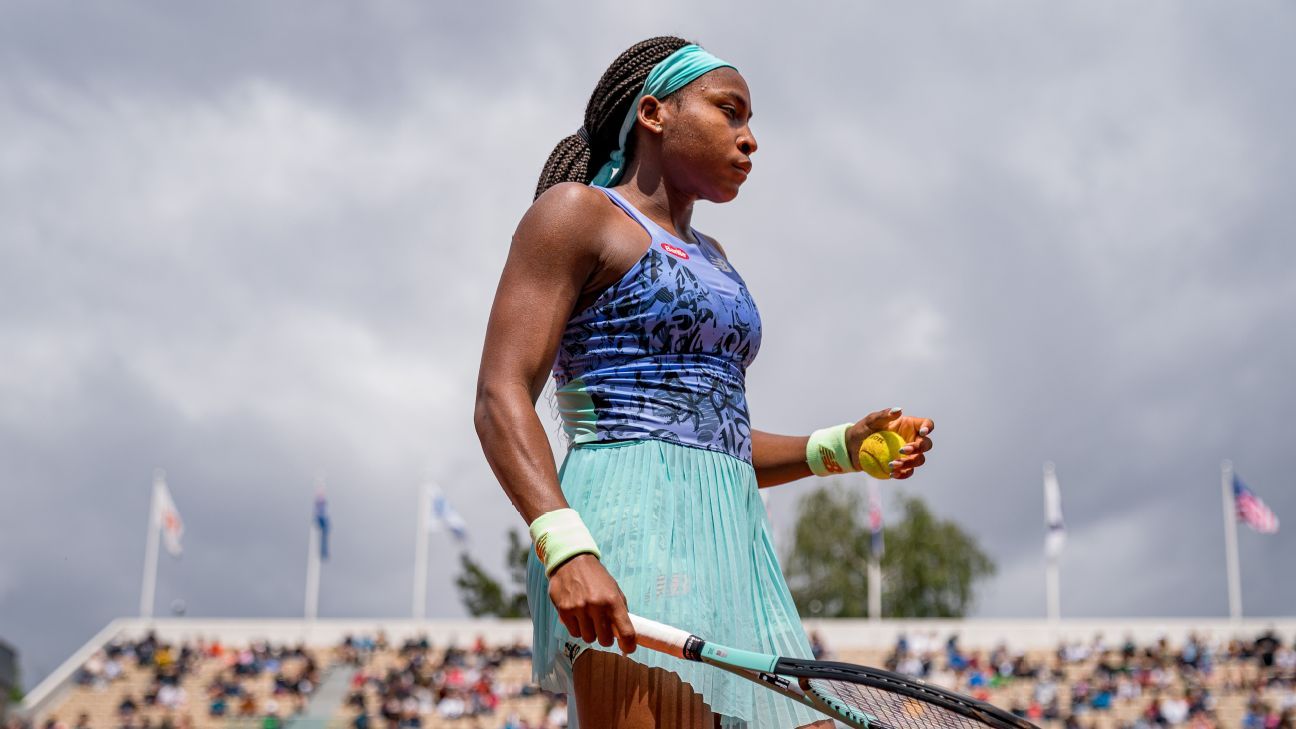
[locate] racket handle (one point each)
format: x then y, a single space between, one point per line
659 636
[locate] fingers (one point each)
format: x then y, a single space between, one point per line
908 463
603 626
919 445
625 631
912 452
882 419
573 625
588 632
590 604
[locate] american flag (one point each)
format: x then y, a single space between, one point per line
1251 510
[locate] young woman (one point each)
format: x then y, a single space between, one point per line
648 331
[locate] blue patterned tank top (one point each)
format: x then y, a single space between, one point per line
663 353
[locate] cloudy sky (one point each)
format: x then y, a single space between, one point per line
249 242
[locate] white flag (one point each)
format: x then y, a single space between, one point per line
168 519
1056 538
444 516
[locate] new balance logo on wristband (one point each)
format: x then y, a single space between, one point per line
830 461
540 547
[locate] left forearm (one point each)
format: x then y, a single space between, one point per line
778 459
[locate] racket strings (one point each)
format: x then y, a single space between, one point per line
892 710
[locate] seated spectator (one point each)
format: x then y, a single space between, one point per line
1102 699
954 658
1201 720
247 706
171 697
127 707
557 714
817 647
452 706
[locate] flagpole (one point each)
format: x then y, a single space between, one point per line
1052 572
151 547
875 559
312 573
421 551
1230 541
1052 584
875 588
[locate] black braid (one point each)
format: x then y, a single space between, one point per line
574 160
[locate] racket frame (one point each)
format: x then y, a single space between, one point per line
761 668
778 674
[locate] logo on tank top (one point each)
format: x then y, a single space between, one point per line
676 251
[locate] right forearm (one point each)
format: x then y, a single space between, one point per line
517 449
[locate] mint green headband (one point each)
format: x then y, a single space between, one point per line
676 71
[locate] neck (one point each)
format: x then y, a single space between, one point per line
646 188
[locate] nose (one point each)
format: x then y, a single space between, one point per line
747 141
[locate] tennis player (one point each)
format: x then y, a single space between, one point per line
648 331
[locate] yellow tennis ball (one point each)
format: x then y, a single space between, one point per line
878 450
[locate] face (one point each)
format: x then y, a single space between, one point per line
705 134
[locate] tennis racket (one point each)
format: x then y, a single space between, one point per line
860 697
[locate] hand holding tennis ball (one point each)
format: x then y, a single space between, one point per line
878 451
889 444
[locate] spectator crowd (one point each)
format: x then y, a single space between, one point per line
1199 684
230 678
1081 682
450 684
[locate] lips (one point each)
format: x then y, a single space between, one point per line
745 167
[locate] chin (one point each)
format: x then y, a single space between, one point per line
724 194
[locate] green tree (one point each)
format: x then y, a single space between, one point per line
483 595
15 692
826 570
930 566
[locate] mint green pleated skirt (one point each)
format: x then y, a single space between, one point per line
685 534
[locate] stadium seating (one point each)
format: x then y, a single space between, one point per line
422 684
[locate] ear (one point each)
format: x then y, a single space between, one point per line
652 114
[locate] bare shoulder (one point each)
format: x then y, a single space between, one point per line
569 215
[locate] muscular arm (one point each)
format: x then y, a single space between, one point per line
552 255
554 251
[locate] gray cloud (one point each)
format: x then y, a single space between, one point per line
251 244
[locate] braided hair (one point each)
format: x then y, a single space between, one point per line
577 158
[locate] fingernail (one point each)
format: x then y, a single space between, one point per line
895 464
907 450
922 431
895 410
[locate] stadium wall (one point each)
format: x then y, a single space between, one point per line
838 634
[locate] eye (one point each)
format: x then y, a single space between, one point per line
729 111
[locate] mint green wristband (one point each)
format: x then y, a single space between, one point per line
826 451
560 535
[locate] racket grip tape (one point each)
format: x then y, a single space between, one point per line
665 639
